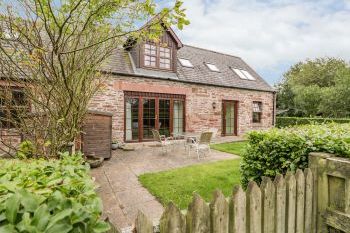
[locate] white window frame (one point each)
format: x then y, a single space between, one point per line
212 67
185 62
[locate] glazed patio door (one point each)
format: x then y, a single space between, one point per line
164 117
229 117
149 116
147 111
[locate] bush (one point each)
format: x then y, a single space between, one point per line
280 150
48 196
282 122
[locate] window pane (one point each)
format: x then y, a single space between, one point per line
132 122
178 120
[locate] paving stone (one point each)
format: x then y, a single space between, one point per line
121 192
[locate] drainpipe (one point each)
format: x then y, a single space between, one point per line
274 108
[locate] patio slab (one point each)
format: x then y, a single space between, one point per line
121 192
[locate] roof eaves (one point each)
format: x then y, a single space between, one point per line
192 82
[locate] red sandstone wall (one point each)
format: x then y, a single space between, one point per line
200 114
9 140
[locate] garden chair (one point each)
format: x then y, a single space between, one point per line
163 141
202 144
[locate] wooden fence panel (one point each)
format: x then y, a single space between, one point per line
219 213
280 203
300 201
238 207
143 225
268 193
309 215
282 206
253 208
198 216
172 220
291 202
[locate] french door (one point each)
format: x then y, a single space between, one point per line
229 117
147 111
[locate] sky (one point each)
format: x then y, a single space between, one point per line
270 35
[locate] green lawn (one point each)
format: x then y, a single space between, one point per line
236 148
179 184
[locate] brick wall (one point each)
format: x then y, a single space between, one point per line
200 114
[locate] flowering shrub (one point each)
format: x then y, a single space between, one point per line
48 196
279 150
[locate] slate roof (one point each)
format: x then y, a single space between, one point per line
121 63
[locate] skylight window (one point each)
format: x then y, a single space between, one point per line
243 74
185 62
212 67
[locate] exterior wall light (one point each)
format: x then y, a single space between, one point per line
214 105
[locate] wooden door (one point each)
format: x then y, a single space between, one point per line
229 117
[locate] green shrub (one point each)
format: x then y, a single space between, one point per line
48 196
282 122
279 150
26 150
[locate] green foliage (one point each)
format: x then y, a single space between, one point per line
317 87
282 122
48 196
178 185
280 150
26 150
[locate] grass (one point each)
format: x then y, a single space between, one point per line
236 148
178 185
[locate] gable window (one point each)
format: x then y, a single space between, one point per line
212 67
185 62
257 111
150 55
243 74
157 56
164 58
12 103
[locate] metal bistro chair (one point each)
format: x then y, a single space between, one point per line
202 144
163 140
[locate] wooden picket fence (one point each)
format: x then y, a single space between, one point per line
282 205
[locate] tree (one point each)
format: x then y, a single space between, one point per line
52 50
315 88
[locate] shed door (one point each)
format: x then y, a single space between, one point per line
97 136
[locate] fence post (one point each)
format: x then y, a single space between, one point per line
317 163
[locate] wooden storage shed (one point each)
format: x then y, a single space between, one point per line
97 134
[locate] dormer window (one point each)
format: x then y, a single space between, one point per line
212 67
164 58
150 55
157 56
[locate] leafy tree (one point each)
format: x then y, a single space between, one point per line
53 50
315 88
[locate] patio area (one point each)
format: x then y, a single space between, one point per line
121 192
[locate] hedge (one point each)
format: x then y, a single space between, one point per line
282 122
49 196
277 151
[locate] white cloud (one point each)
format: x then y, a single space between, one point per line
269 33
